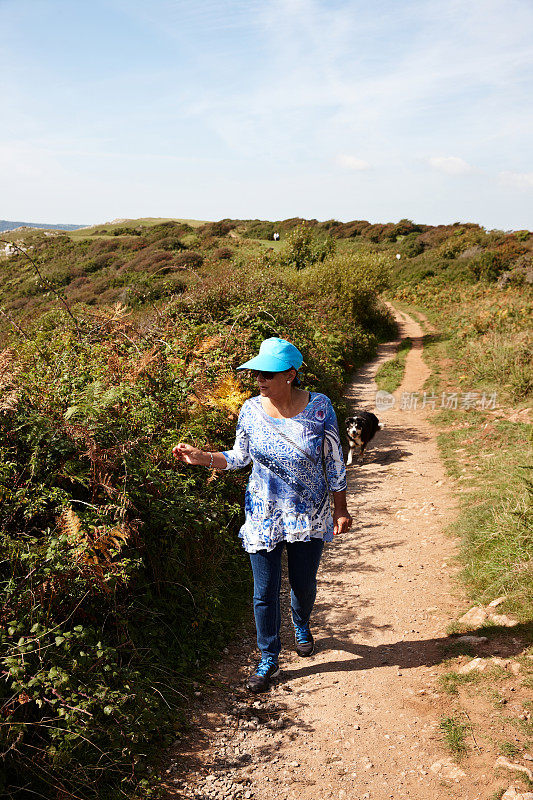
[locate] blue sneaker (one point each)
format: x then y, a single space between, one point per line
305 644
266 669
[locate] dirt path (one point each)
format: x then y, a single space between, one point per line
359 719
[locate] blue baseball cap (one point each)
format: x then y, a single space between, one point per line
275 355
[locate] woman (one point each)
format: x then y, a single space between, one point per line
287 433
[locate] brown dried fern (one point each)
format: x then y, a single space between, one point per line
93 552
110 542
70 525
9 370
143 363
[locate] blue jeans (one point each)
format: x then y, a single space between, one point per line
303 560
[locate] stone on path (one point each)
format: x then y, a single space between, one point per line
478 615
448 770
471 639
476 665
475 617
514 794
503 619
501 761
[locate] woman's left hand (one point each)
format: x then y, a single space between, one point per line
342 522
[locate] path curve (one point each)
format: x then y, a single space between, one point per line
359 719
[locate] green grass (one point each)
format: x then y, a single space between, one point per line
266 244
450 681
454 734
390 375
489 460
509 749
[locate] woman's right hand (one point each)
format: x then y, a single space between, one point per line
191 455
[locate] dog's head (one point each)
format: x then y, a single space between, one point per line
353 425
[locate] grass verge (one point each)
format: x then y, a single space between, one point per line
390 375
489 459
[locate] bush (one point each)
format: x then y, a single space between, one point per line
487 266
103 246
154 233
412 246
98 262
147 259
188 259
303 248
260 230
403 228
221 228
223 252
125 231
171 243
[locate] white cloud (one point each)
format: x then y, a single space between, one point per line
351 162
451 165
522 180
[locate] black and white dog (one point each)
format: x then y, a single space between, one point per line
360 430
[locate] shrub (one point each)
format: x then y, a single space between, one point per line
487 266
98 262
451 249
412 246
152 234
103 246
149 258
223 252
221 228
260 230
121 572
125 231
345 230
171 243
403 228
304 247
379 232
188 259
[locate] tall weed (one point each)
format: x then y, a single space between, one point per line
498 357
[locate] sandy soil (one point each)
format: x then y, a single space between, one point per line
359 719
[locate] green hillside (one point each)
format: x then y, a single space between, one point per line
136 262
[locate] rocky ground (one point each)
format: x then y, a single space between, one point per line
361 719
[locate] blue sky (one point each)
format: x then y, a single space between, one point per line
328 109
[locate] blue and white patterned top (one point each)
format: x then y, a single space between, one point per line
287 496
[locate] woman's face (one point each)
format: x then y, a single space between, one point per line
277 384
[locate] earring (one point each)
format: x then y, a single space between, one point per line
288 381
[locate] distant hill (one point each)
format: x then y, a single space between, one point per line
9 225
